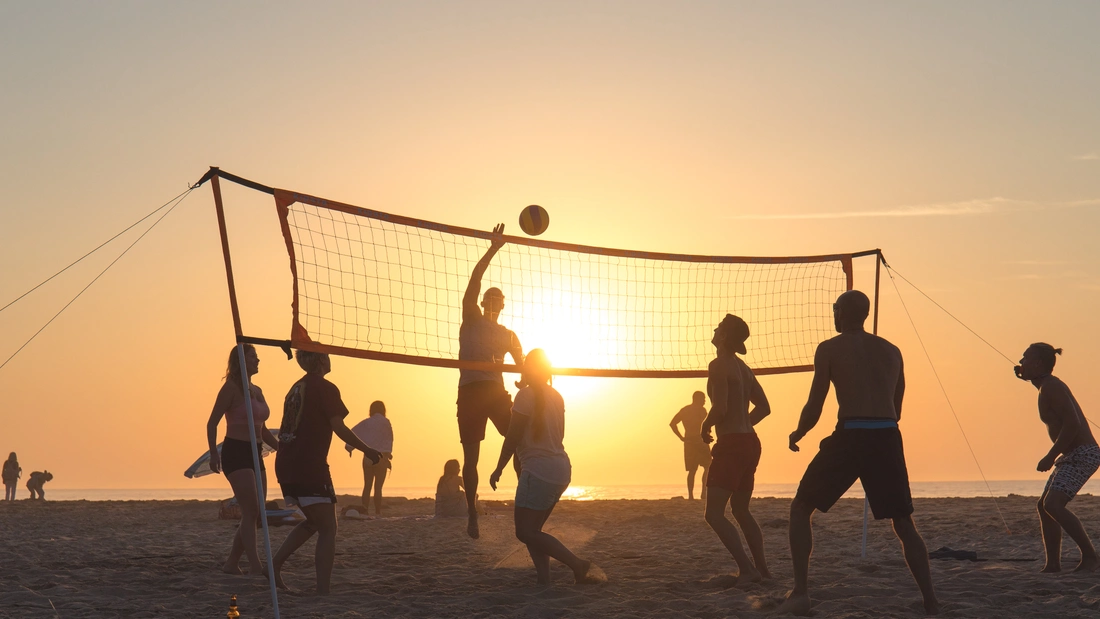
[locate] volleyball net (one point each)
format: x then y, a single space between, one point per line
381 286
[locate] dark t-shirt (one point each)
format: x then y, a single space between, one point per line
306 433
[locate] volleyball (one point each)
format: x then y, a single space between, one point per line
534 220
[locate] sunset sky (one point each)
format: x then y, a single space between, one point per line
961 138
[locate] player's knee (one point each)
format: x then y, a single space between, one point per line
1053 502
800 510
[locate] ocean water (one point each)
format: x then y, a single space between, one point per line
920 489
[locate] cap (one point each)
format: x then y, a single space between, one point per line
735 330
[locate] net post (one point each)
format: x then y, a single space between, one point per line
216 187
863 546
261 496
878 270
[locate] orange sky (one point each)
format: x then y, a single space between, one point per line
962 140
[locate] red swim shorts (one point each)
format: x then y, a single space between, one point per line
733 462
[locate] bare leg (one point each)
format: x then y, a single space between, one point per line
368 483
243 482
703 489
1052 538
1055 505
324 518
379 479
802 544
691 484
739 503
470 454
529 531
297 536
715 516
540 559
916 556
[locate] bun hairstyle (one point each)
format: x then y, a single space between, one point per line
1046 353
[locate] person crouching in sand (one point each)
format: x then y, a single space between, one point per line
732 388
312 412
535 438
35 483
1074 456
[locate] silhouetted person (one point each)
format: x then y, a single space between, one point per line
450 499
1074 456
312 412
869 377
535 438
35 483
732 387
481 393
235 460
377 433
12 473
696 452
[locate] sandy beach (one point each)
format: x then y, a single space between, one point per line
73 559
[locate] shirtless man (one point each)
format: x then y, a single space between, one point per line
1080 457
696 452
732 386
481 393
870 384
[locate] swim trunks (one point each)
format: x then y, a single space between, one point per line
696 454
868 450
304 495
1072 470
733 462
477 404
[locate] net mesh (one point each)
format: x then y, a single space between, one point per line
376 285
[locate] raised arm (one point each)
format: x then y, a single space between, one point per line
221 405
1060 404
819 389
716 387
473 289
516 427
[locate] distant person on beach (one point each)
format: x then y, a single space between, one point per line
35 483
696 452
377 433
450 499
736 454
1074 456
869 377
535 439
312 412
12 473
481 393
235 459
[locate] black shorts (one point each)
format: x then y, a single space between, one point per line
305 495
478 403
875 457
237 455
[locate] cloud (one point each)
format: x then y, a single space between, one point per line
985 206
1086 157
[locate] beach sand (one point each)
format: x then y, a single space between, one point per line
161 559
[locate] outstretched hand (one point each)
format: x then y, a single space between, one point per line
498 237
494 478
794 438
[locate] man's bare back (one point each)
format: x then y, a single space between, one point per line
867 373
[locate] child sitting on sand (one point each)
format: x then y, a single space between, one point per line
12 473
35 483
450 498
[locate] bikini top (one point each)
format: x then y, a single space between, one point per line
236 418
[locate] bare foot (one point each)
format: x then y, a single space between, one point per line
746 576
797 604
232 569
931 607
1051 569
590 575
1088 564
471 527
